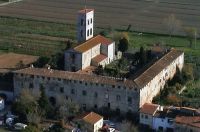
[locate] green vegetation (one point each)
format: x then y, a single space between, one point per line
33 107
49 40
34 37
182 90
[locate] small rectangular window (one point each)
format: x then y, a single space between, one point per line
129 100
96 95
118 98
61 89
91 31
84 93
88 22
72 91
31 85
91 20
88 32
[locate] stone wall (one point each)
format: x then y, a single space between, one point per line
148 92
86 94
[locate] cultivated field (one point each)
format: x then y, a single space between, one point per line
143 15
10 60
33 37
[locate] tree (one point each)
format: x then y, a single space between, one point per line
128 127
99 70
104 33
57 61
123 44
143 56
44 103
69 44
188 72
20 65
173 100
68 109
191 34
172 24
41 62
34 118
25 103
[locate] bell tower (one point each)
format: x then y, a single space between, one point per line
85 26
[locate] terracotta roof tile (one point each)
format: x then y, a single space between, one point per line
92 43
144 78
99 58
191 120
77 76
149 108
92 118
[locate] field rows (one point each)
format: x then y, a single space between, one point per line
142 15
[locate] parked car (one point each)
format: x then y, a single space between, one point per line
109 123
20 126
112 129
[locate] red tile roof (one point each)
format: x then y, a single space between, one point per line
144 78
85 11
149 108
92 43
99 58
77 76
191 120
92 118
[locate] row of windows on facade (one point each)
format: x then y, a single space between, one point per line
84 93
118 97
89 21
75 81
170 121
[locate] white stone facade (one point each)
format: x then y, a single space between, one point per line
85 25
82 56
153 87
98 125
90 47
163 124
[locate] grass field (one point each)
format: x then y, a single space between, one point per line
33 37
143 15
44 38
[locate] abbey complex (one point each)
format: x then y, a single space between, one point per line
96 91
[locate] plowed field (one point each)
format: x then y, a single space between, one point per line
143 15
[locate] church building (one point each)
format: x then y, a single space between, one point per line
92 50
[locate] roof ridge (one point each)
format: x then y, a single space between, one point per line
86 41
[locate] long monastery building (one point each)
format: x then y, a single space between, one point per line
92 91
